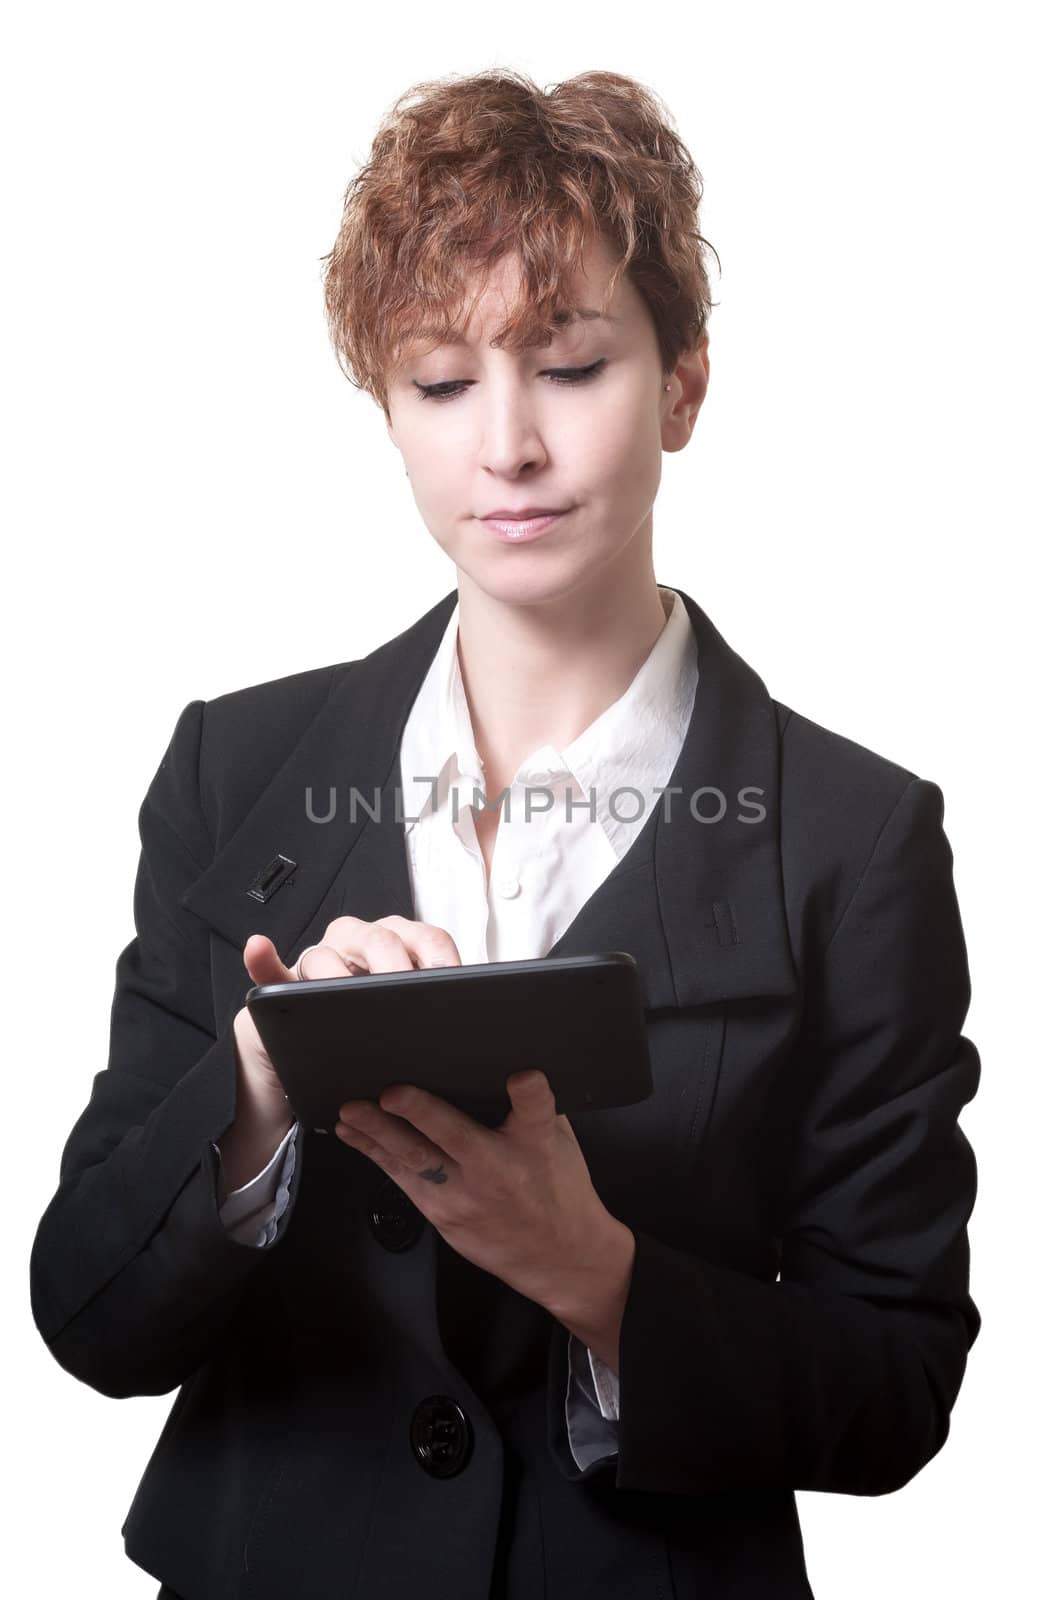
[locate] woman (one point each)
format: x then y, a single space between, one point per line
577 1357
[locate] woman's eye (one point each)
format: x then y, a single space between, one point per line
563 375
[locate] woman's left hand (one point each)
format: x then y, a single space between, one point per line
517 1201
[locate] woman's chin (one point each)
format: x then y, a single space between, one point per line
538 582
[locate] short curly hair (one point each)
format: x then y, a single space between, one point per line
466 170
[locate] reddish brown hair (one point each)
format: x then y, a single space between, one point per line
466 170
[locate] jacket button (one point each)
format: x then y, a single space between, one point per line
441 1436
394 1220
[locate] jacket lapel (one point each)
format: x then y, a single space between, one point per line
698 903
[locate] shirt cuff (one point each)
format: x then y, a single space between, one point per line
592 1436
606 1387
251 1213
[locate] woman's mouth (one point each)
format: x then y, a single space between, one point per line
520 530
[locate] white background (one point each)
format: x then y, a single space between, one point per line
196 499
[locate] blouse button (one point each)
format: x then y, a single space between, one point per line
508 888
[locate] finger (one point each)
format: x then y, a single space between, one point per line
263 963
366 946
322 961
391 1141
457 1135
533 1102
429 945
391 944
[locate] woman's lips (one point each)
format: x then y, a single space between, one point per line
514 532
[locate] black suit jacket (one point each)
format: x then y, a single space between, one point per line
362 1412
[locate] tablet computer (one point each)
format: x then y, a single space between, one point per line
459 1032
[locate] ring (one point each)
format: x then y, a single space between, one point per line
298 968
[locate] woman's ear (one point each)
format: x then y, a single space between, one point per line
394 441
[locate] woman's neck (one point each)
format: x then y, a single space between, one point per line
535 676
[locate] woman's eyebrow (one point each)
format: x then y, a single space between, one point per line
586 314
580 313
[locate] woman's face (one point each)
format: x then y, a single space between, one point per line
507 432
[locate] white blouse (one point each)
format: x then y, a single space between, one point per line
572 814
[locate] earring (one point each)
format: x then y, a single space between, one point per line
667 386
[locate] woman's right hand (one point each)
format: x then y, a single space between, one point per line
349 945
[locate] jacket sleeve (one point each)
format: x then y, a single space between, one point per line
133 1277
842 1375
